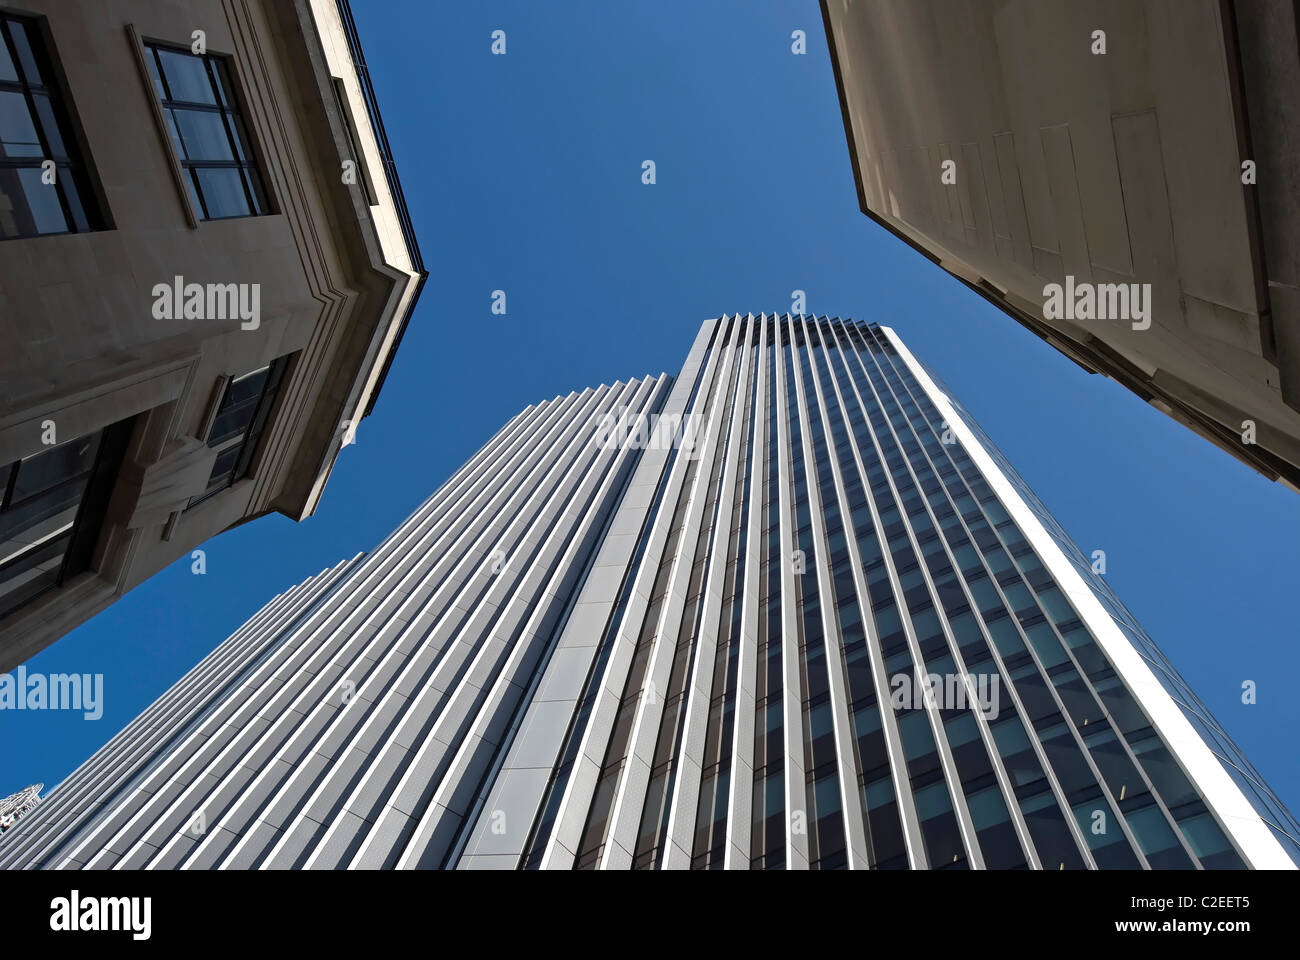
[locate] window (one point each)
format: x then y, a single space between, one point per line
51 509
202 115
245 408
35 128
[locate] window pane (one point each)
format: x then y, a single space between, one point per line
1105 838
17 131
240 134
151 57
187 77
49 126
202 135
1206 839
170 116
240 404
31 574
7 69
232 422
192 186
27 206
223 468
54 466
38 518
1157 840
29 117
223 192
248 385
22 43
255 188
14 218
37 524
69 188
224 89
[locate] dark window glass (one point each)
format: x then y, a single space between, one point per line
1170 782
1157 840
238 406
1209 844
208 132
35 128
238 426
1100 828
1052 838
997 835
939 827
51 508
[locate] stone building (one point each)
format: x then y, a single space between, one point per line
206 265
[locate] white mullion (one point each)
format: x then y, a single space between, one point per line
629 799
566 831
530 747
794 763
740 790
407 647
324 625
554 536
949 767
1039 750
155 725
679 839
846 766
908 819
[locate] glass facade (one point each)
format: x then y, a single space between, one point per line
816 623
903 572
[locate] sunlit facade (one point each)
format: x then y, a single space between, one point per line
790 609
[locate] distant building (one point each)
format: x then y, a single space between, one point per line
206 265
790 609
16 805
1101 148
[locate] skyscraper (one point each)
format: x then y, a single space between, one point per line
17 805
790 609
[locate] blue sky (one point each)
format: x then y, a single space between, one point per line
523 173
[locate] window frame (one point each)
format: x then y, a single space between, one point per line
228 103
72 165
83 533
246 443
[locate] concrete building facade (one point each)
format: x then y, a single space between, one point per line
1108 150
206 265
790 609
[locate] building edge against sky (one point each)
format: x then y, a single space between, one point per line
591 649
1098 163
195 321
